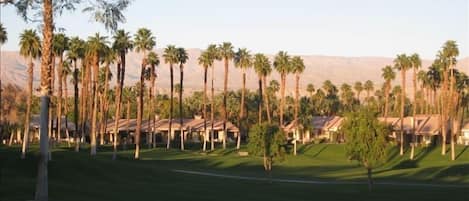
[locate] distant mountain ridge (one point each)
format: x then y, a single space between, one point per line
318 69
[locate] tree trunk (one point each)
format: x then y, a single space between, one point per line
28 108
225 94
94 114
282 98
212 112
59 97
42 190
75 105
168 143
266 97
118 107
64 83
403 95
241 109
204 148
138 130
181 122
297 107
386 100
370 179
414 112
260 99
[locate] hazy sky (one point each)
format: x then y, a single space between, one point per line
332 27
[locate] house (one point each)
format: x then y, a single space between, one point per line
322 128
464 137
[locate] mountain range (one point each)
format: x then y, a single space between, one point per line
338 69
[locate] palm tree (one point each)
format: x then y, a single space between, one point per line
368 87
66 70
170 57
205 60
283 67
448 56
122 44
95 49
144 41
60 44
297 67
182 58
243 60
30 48
76 52
415 63
214 54
402 64
262 67
153 61
226 53
3 39
389 75
358 86
310 89
109 58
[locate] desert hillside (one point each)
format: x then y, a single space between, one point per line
318 69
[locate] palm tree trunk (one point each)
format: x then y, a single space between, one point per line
386 100
138 130
171 105
212 114
260 99
282 98
297 107
241 109
204 148
42 190
59 98
402 112
65 92
225 94
414 112
28 108
75 105
444 111
118 108
151 116
266 97
181 123
94 114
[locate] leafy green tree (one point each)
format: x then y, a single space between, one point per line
366 140
267 140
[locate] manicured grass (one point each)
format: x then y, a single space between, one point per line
77 176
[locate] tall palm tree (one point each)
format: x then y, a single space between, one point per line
415 63
402 64
243 60
3 39
297 67
144 42
170 57
368 87
358 87
226 53
389 75
262 67
283 67
30 49
95 49
310 89
109 58
205 60
182 58
76 52
60 44
214 54
153 61
122 44
448 56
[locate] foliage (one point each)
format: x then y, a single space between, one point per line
268 141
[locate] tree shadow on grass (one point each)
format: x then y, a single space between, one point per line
320 151
462 152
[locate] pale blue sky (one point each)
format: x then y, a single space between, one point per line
332 27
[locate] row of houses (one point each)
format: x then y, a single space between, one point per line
193 129
427 129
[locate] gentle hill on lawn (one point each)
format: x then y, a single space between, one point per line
318 69
77 176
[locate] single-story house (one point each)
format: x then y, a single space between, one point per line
464 137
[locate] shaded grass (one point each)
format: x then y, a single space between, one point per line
78 176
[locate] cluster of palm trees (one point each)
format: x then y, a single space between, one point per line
442 90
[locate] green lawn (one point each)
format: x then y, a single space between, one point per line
77 176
